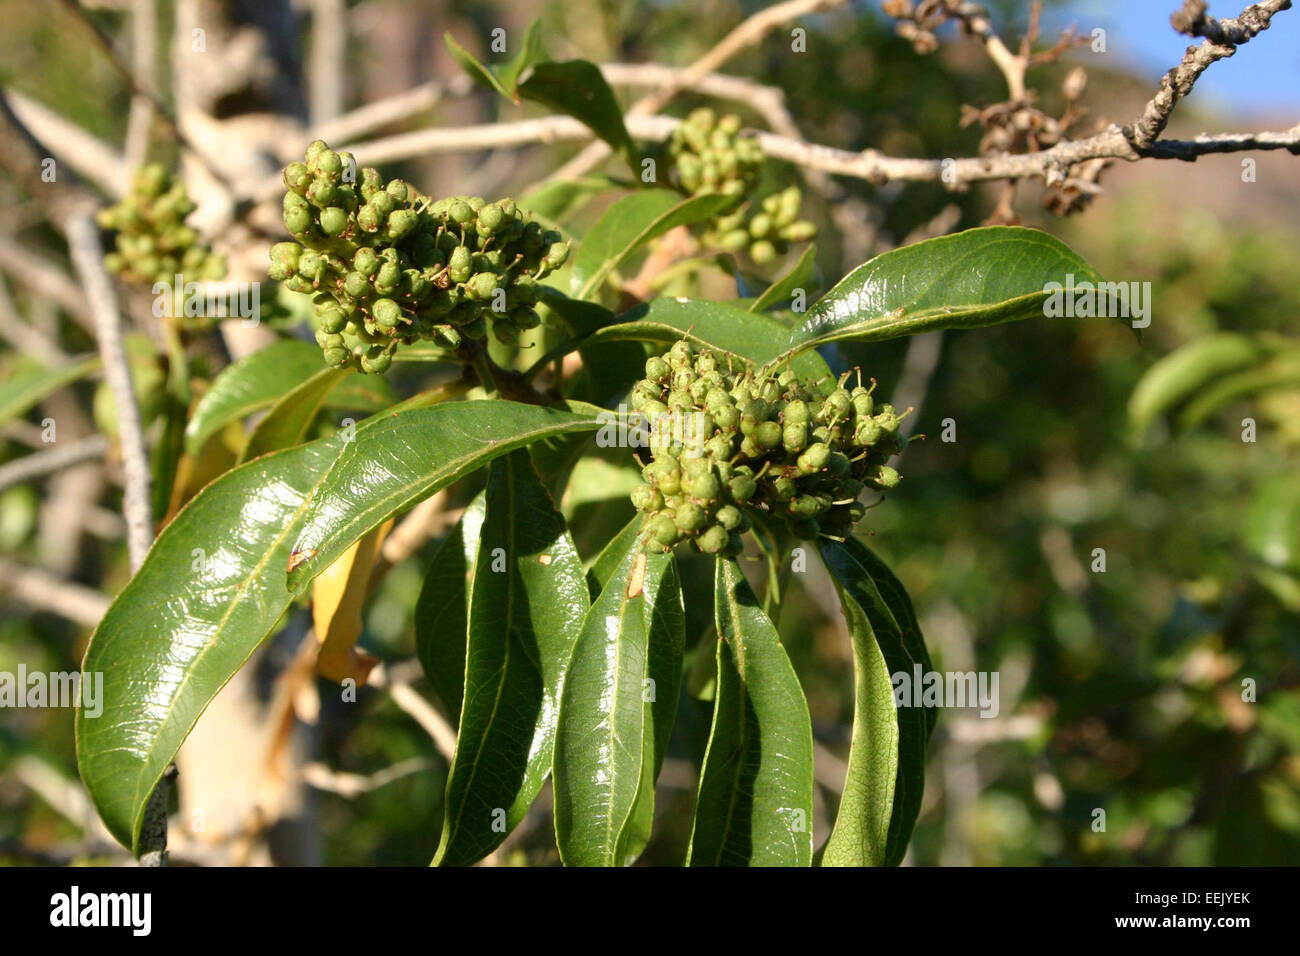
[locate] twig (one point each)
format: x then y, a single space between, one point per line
43 463
325 59
43 591
88 258
144 57
751 31
398 684
350 785
1177 83
87 155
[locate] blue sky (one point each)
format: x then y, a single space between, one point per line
1266 71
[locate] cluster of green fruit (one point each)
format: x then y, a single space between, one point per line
729 444
389 266
153 242
710 156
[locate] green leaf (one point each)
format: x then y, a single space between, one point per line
629 224
749 336
504 78
406 456
286 424
612 556
799 277
557 198
27 383
617 712
527 604
261 379
582 318
209 591
1280 371
1182 372
886 774
578 88
442 610
967 280
755 804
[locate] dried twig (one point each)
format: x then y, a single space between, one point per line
43 591
57 458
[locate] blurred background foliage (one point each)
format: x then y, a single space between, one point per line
1121 691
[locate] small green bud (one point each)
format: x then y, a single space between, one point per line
713 540
387 313
333 221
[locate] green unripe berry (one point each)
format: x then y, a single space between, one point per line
377 360
663 530
762 252
459 265
814 459
328 163
690 517
726 416
656 369
369 218
713 540
767 435
646 498
333 221
297 220
332 320
365 261
795 436
400 223
742 487
387 313
399 191
795 412
388 278
887 477
482 286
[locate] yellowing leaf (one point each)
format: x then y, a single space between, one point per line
337 597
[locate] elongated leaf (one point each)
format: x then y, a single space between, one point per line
611 557
503 78
1280 371
617 712
527 604
1186 370
888 741
582 318
555 199
287 422
25 384
210 590
799 277
967 280
442 610
578 88
629 224
749 336
407 456
755 802
261 379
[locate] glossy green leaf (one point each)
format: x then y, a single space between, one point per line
617 712
286 424
886 773
527 603
24 384
629 224
755 804
555 199
968 280
800 276
442 610
581 317
578 88
1174 378
263 378
210 590
1271 534
749 336
611 557
406 456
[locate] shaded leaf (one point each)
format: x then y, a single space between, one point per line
755 804
442 610
629 224
287 422
1174 378
527 603
578 88
26 384
800 276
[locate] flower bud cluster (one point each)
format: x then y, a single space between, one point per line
153 243
710 156
389 266
755 444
